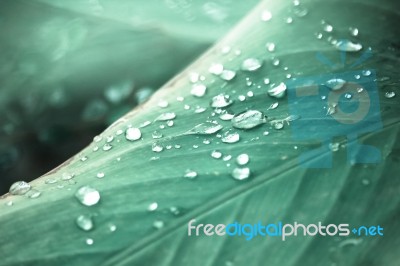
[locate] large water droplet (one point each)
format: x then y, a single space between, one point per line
206 128
198 90
230 137
241 173
84 222
133 134
278 91
87 196
348 46
251 64
248 119
19 188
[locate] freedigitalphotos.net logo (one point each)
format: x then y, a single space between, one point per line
334 105
280 230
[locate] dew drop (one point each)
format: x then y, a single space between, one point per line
289 20
216 154
112 227
198 90
33 194
67 176
88 196
221 101
251 64
194 77
366 73
277 124
109 139
216 69
89 241
241 173
163 103
100 175
206 128
300 11
335 84
266 15
273 106
190 174
278 91
248 119
157 134
226 116
84 222
230 137
19 188
166 116
97 138
152 207
107 147
158 224
334 146
266 81
133 134
270 46
157 147
353 31
242 159
227 75
50 181
241 98
227 157
390 94
348 46
175 210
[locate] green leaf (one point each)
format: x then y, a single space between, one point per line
43 230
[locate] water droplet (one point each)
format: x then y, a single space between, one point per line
33 194
270 46
348 46
335 84
112 227
107 147
199 109
163 103
97 138
84 222
265 133
166 116
227 75
100 175
251 64
51 181
89 241
241 98
225 49
157 147
334 146
216 69
109 139
365 182
198 90
206 128
277 124
152 207
133 134
145 124
175 210
170 123
241 173
289 20
194 77
390 94
157 134
319 35
250 94
190 174
221 101
19 188
275 61
216 154
83 158
353 31
248 119
230 137
326 26
242 159
273 106
177 146
158 224
366 73
227 158
291 118
348 95
266 15
300 11
9 203
266 81
87 195
67 176
278 91
226 116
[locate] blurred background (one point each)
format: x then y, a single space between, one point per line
68 69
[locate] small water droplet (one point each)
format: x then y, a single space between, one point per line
163 103
152 207
251 64
9 203
19 188
266 15
353 31
326 26
109 139
85 222
335 84
89 241
158 224
270 46
216 69
266 81
97 138
198 90
206 128
112 227
84 158
157 147
199 109
225 49
348 46
334 146
241 173
226 116
366 73
390 94
241 98
100 175
273 106
157 134
248 119
221 101
230 137
365 182
194 77
33 194
87 196
216 154
278 91
275 61
67 176
227 158
300 11
107 147
190 174
277 124
170 123
51 181
133 134
166 116
227 75
348 95
242 159
145 124
289 20
175 210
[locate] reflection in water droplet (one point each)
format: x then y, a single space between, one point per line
241 173
19 188
251 64
221 101
33 194
273 106
248 119
348 46
87 195
85 222
133 134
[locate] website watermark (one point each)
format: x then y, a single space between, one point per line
280 230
